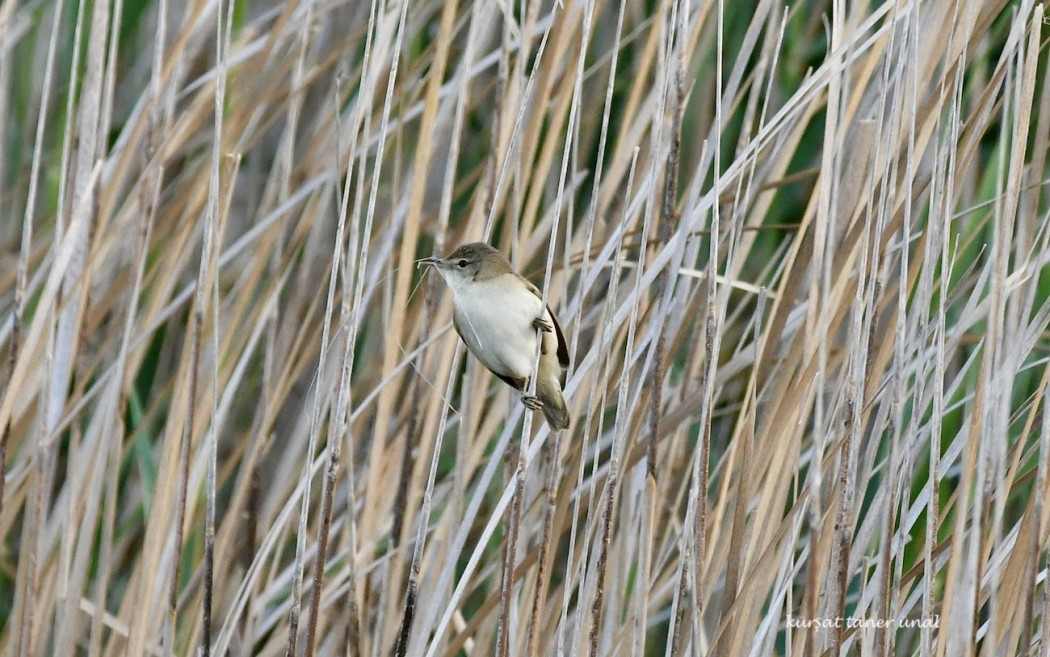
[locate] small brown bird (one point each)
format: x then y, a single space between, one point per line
497 312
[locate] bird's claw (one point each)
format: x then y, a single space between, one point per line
542 324
532 403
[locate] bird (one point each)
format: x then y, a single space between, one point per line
498 314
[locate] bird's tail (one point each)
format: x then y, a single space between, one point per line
554 408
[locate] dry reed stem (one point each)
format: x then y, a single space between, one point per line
799 254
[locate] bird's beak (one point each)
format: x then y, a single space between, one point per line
433 262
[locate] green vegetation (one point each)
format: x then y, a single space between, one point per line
800 253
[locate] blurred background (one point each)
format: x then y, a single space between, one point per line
799 253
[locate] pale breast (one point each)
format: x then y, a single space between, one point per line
494 319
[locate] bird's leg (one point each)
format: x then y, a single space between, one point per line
530 401
542 324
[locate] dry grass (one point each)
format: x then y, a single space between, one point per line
800 255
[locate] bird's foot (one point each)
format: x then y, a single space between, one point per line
542 324
532 403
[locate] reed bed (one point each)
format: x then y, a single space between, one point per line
800 253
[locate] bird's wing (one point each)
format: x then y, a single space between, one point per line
563 346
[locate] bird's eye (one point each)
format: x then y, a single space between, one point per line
461 264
